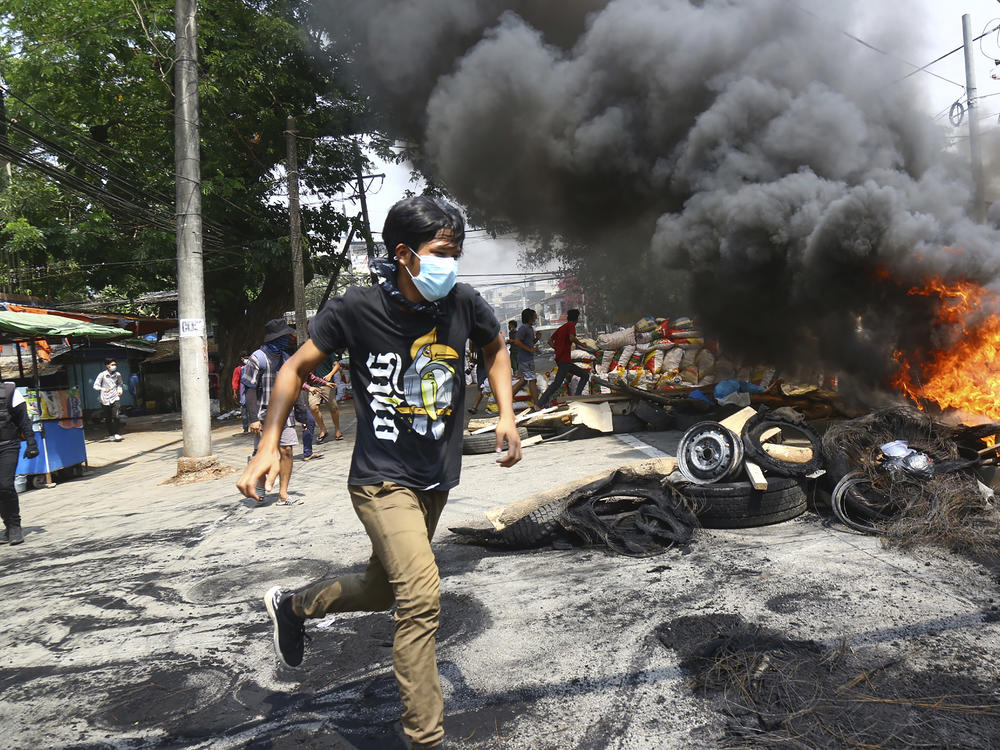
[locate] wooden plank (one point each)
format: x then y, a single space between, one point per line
596 398
792 454
771 436
756 474
523 417
736 421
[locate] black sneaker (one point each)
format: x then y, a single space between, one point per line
289 629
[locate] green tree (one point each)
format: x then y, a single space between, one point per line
88 95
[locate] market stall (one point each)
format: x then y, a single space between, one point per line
56 414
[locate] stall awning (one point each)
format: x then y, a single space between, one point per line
16 326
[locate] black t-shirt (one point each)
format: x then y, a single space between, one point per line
407 369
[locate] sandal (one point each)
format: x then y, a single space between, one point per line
322 437
289 501
339 437
312 456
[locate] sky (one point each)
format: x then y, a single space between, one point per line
932 28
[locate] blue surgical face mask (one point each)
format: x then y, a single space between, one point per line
436 278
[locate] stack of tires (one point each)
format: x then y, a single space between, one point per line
711 458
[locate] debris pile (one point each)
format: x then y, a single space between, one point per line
669 363
905 475
633 510
784 693
750 469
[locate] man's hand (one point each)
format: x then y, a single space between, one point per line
264 464
31 451
507 433
255 427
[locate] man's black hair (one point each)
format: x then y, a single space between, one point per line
244 353
572 315
527 315
109 360
415 220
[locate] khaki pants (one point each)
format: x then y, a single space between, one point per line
324 394
400 523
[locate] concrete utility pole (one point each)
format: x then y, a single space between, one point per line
196 417
295 235
975 149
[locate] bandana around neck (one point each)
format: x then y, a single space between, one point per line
275 349
385 270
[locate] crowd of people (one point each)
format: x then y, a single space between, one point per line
522 343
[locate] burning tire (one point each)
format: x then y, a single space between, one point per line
486 442
737 505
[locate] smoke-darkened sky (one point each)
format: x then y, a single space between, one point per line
781 167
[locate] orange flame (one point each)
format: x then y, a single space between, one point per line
967 376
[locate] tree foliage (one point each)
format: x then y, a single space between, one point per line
88 98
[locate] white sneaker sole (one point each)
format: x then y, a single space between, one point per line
271 600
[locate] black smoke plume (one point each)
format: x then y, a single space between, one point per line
784 170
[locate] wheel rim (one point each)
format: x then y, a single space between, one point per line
709 452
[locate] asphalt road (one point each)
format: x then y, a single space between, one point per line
133 617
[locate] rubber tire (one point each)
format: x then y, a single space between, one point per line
737 505
759 424
537 528
486 442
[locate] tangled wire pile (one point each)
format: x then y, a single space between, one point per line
947 508
785 693
631 514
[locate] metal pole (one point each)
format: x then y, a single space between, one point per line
336 272
366 227
196 417
975 149
295 233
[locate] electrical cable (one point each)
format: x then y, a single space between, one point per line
103 149
956 114
119 200
985 33
888 54
942 57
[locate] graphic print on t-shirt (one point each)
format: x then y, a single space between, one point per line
423 399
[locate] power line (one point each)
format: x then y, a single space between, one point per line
103 150
889 54
923 68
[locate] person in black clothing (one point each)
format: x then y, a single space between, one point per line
15 426
406 337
